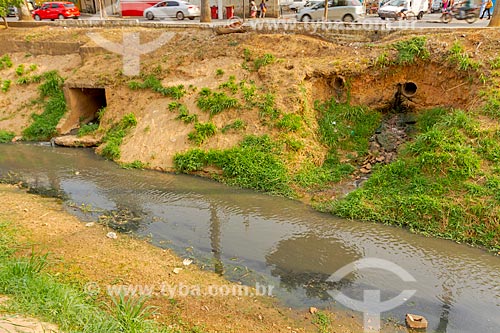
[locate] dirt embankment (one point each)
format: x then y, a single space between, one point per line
85 254
304 70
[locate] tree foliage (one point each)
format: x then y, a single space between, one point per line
4 8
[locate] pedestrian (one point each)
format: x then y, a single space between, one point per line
488 6
263 9
253 9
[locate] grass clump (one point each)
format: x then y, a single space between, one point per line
87 129
265 60
255 163
312 177
134 165
5 62
230 85
201 132
461 58
44 125
267 108
6 136
411 49
236 125
345 127
322 321
437 185
215 102
184 115
5 85
290 122
153 83
114 137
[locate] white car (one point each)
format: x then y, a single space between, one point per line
338 10
397 9
172 8
297 5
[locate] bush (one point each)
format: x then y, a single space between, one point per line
6 136
411 49
202 131
215 102
114 137
87 129
290 122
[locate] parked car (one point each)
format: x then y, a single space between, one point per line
338 10
397 9
170 8
11 11
297 5
436 6
56 10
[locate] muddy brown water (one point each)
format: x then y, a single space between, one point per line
252 237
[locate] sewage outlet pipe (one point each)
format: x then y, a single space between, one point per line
409 89
338 83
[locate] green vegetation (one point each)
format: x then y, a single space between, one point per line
312 177
290 122
114 137
230 84
6 136
134 165
5 62
201 132
219 72
445 183
265 60
35 292
382 60
87 129
461 58
322 321
345 127
267 108
153 83
20 70
215 102
183 113
259 62
5 85
236 125
254 163
411 49
54 104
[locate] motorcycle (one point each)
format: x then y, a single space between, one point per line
470 15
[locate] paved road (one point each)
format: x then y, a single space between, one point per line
429 21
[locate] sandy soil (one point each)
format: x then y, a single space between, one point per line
85 254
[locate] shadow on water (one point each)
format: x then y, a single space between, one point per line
251 237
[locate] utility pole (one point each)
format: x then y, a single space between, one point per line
205 12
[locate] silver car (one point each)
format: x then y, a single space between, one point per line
338 10
172 8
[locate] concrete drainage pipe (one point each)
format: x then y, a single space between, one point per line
409 89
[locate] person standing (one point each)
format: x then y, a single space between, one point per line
263 9
253 9
487 7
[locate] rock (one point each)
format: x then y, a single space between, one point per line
177 270
187 262
367 166
74 141
111 235
90 224
416 321
363 170
17 138
380 158
313 310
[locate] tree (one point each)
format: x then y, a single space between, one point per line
205 11
325 14
495 18
24 11
4 9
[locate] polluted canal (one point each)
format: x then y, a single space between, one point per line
256 238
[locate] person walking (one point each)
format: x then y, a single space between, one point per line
263 9
487 7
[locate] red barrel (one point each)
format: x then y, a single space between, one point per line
214 10
229 12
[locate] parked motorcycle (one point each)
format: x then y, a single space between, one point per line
470 15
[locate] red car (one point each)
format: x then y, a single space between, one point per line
56 10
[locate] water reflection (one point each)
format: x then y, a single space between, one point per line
282 241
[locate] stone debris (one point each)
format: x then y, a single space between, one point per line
187 262
177 270
111 235
90 224
313 310
415 321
